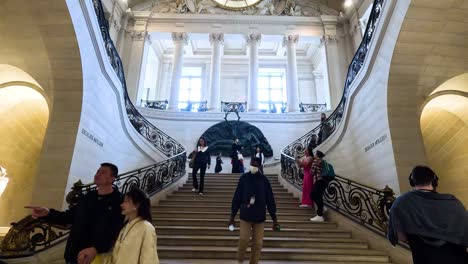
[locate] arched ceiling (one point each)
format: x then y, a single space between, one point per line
432 47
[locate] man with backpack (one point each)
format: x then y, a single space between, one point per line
323 174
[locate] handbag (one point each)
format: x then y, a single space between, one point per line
192 160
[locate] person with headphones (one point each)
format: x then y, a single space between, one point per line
434 225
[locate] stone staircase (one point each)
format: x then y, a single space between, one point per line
193 229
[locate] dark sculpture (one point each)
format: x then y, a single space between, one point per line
221 136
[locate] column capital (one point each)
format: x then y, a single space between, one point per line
290 40
328 39
180 37
253 38
216 38
139 35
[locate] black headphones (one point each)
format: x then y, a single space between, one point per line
434 182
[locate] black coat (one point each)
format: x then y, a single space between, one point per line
96 222
253 185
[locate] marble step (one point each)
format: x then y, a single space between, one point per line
225 202
356 255
223 231
227 208
223 222
227 197
228 261
232 241
225 215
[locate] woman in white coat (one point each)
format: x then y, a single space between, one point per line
136 243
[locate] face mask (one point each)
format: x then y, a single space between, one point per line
253 170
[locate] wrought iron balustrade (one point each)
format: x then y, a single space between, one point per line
361 203
155 104
233 106
196 106
312 108
364 204
326 128
158 138
30 236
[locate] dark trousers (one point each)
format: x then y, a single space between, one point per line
202 168
317 194
424 253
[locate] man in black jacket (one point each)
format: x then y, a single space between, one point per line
96 219
435 225
253 195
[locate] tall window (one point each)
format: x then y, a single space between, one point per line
190 86
271 89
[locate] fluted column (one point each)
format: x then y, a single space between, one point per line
292 89
180 40
335 68
216 40
135 64
253 40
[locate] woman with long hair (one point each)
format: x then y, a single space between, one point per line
136 243
202 162
307 182
259 154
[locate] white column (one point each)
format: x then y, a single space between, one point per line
134 71
335 61
292 88
253 40
216 40
180 40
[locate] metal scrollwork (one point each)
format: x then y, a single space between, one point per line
326 128
312 108
233 106
160 140
364 204
30 236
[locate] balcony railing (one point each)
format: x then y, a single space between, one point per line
312 108
155 104
196 106
233 106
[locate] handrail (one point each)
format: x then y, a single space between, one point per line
327 127
155 104
364 204
30 236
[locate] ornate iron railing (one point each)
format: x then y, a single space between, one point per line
233 106
364 204
327 127
195 106
155 104
312 108
30 236
160 140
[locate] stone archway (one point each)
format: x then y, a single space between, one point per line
24 116
444 129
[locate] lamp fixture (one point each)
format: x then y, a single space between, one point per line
348 3
3 180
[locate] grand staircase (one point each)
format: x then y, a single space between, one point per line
193 229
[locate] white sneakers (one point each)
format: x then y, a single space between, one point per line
201 194
194 190
317 218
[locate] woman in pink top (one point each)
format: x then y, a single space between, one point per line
307 182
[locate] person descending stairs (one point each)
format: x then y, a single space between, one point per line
194 229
